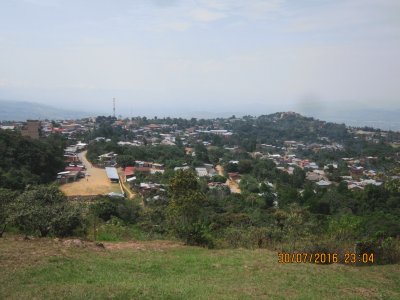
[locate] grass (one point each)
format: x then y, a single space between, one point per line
46 269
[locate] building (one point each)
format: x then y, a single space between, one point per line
112 174
31 129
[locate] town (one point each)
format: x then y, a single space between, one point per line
212 148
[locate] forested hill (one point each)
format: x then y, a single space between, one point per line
279 127
24 161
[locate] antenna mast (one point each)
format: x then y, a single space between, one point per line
114 107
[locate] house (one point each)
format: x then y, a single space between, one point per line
71 158
181 168
311 176
201 172
370 181
108 158
67 176
324 183
356 171
129 172
152 127
167 143
74 168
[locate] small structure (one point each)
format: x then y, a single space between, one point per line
112 174
116 195
324 183
201 172
67 176
181 168
129 172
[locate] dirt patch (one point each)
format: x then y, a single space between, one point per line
367 293
144 245
233 186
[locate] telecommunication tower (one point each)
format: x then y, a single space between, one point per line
114 107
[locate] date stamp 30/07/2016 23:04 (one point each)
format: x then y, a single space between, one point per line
326 258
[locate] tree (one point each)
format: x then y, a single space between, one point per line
218 178
186 207
201 153
298 177
125 160
6 198
244 166
44 210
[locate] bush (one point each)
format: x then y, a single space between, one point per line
251 237
386 251
125 209
197 235
43 211
115 229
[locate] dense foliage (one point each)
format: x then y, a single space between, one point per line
24 161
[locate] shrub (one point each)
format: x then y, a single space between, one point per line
43 211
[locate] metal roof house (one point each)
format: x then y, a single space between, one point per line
112 174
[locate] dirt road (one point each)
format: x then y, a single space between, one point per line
128 192
96 183
234 187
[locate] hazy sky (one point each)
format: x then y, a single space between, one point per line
173 56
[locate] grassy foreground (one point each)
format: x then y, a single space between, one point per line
47 269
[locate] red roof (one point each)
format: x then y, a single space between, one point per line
58 129
129 171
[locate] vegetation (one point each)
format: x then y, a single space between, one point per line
49 269
275 209
44 211
29 162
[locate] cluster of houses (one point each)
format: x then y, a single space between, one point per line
75 169
358 177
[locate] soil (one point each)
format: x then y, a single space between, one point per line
95 184
233 185
142 245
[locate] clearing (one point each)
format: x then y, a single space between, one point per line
54 269
95 184
233 185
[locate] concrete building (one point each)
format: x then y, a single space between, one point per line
31 129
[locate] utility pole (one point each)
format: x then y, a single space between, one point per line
114 107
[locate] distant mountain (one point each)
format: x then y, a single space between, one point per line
21 111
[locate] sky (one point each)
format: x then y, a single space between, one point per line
181 57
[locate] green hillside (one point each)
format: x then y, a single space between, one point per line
49 269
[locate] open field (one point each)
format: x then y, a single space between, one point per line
95 184
47 269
